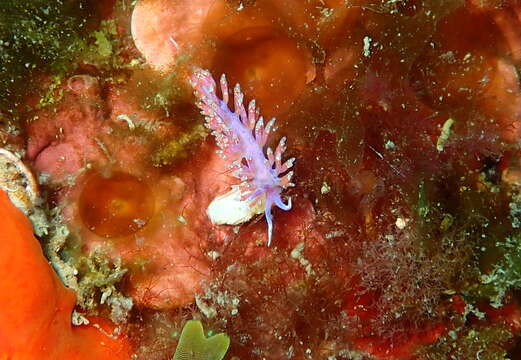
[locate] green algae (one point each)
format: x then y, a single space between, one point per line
52 37
53 93
159 92
103 48
506 273
100 48
179 147
475 216
103 38
193 345
36 35
515 211
478 342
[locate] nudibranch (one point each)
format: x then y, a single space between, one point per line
241 136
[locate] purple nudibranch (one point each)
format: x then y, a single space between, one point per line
241 136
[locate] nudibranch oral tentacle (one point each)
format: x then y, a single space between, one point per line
241 135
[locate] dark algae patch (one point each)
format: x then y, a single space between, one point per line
38 36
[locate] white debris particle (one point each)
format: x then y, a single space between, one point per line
444 135
214 255
127 119
448 56
79 319
401 223
175 43
139 222
335 233
206 309
389 145
296 254
290 352
367 46
325 188
383 104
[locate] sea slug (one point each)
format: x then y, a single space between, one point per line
241 136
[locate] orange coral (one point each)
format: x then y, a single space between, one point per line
35 315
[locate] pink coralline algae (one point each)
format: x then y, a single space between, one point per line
241 136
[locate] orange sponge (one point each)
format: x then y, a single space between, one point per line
35 307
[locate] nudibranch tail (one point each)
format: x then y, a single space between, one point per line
241 136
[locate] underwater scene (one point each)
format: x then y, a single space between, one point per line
260 179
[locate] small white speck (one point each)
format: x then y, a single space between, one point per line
444 135
176 45
367 46
214 255
139 222
401 223
389 145
325 188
